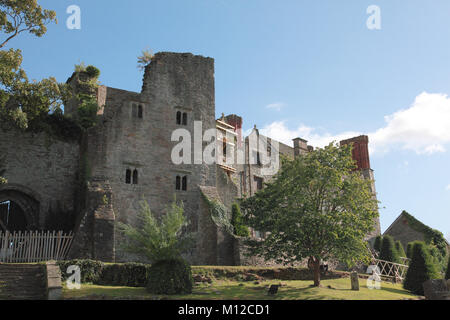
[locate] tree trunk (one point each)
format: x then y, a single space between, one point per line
316 272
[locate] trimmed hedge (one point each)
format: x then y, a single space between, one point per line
421 269
90 269
127 274
170 277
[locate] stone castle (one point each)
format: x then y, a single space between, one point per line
126 158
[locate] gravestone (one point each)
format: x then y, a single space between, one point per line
355 281
436 290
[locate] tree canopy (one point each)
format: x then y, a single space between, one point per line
18 16
318 206
23 102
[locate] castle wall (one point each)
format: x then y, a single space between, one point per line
41 168
123 141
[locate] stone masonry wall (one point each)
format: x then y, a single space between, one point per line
42 167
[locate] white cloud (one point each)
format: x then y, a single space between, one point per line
279 131
423 128
275 106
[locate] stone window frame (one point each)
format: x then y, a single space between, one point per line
182 115
137 110
181 178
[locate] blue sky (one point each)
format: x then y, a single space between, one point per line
307 68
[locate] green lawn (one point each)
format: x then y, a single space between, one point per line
337 289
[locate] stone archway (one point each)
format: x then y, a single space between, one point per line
19 211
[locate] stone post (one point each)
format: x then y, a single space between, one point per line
355 281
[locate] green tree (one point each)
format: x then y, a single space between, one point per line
23 102
400 250
388 251
447 274
316 207
377 243
161 238
240 229
18 16
421 269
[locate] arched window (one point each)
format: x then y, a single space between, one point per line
140 111
135 176
184 119
179 117
128 177
178 183
184 184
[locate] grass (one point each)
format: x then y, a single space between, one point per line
336 289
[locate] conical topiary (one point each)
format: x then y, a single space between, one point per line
409 250
421 269
377 243
388 251
399 248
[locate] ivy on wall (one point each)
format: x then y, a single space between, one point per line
219 214
431 236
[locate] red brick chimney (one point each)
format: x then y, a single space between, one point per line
360 151
236 122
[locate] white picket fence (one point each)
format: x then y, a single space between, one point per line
34 246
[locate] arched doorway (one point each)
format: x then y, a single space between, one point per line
18 211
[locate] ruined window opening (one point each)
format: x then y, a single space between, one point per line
184 119
140 112
184 184
178 183
179 117
259 183
135 176
128 177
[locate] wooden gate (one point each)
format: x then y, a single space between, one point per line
392 270
34 246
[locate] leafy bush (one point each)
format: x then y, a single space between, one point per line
421 269
127 274
377 243
90 269
170 277
240 229
388 251
93 72
87 111
400 249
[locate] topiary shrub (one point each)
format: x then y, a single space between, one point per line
126 274
409 250
170 277
399 248
377 243
447 274
90 269
421 269
388 251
